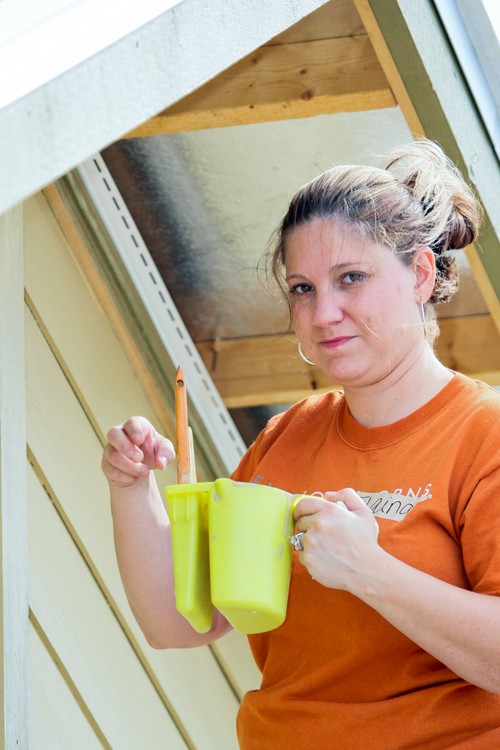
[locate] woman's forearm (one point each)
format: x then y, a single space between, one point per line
461 628
458 627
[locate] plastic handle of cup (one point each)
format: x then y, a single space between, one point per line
296 501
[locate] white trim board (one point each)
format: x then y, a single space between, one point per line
13 489
30 28
51 130
161 308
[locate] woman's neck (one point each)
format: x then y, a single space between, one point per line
400 393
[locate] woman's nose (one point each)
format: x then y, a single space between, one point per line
326 309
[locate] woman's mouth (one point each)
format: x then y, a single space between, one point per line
336 342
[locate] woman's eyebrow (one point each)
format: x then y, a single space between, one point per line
335 267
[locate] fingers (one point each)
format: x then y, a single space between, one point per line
350 499
342 501
352 502
137 430
119 470
340 535
132 449
123 440
307 506
138 440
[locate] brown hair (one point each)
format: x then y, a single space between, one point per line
419 199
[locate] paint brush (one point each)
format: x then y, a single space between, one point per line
186 472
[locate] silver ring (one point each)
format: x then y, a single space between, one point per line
295 540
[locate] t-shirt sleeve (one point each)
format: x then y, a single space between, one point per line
480 528
246 469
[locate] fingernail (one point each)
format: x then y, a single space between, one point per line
163 461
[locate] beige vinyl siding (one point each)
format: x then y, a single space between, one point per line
57 720
114 692
79 383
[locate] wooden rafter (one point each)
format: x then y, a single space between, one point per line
267 369
283 81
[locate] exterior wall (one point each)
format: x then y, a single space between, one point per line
13 489
94 681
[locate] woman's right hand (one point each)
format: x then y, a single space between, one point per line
132 450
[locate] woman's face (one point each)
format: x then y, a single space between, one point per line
355 305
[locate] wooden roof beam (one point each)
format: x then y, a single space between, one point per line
282 81
267 369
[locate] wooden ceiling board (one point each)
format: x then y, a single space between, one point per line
338 18
301 79
267 369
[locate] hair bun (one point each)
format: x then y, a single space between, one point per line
449 206
462 226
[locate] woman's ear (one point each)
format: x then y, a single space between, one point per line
424 268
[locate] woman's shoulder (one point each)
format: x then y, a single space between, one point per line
476 414
316 407
477 396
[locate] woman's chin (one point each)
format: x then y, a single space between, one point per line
349 375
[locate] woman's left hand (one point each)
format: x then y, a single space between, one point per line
340 539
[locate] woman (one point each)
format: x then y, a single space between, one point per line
391 639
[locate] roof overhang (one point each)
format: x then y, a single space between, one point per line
69 117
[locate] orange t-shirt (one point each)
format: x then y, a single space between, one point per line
336 674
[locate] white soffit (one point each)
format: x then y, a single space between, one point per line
90 104
162 310
30 28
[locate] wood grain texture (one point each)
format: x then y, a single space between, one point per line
300 79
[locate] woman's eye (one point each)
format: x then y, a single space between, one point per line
300 289
353 277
